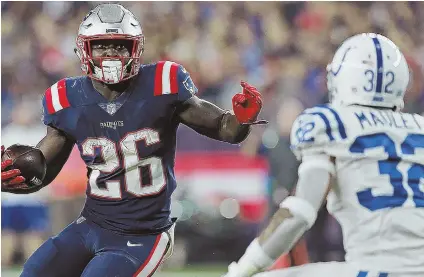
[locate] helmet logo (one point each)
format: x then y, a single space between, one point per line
341 63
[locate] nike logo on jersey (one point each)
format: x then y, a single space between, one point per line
129 244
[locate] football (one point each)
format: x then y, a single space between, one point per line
30 161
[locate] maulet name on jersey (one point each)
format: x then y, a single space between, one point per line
387 118
112 124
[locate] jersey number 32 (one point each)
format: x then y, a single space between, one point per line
412 177
131 165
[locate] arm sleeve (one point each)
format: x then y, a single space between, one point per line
311 190
315 174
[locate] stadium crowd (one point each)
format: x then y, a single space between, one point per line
280 47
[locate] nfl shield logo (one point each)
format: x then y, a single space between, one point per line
110 108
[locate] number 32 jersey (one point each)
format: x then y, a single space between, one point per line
378 196
128 144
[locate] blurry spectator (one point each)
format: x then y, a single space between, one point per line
219 43
275 146
24 219
414 100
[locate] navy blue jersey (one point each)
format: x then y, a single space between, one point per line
128 144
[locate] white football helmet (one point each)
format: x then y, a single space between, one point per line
110 21
368 69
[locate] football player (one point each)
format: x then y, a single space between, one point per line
375 155
123 116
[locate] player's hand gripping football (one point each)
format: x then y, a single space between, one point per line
10 178
247 105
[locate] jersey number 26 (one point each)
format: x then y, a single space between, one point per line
131 165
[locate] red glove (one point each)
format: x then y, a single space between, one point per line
10 179
247 105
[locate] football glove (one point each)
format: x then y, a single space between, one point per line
10 178
247 105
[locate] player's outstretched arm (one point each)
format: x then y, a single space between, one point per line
56 147
214 122
296 215
210 120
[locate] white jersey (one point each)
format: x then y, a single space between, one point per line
378 196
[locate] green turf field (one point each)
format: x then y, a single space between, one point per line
198 271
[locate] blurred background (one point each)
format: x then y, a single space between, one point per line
226 193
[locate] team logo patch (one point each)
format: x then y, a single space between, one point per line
110 108
189 85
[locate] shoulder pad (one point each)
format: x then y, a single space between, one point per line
56 97
315 129
166 78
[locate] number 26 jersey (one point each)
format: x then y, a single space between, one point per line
128 144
